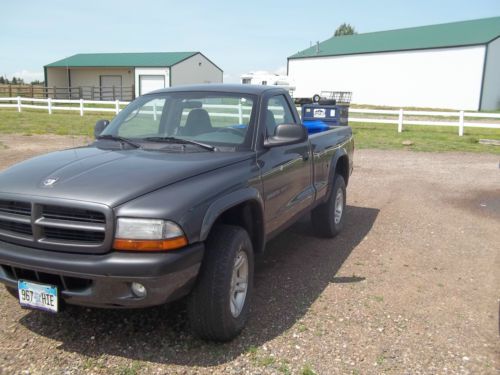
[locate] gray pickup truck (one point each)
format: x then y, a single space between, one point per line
174 198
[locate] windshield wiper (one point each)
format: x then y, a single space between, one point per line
119 139
180 141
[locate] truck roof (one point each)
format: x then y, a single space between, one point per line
229 88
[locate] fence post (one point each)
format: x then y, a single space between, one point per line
117 106
18 104
114 93
10 91
461 123
49 105
240 113
400 121
81 107
154 111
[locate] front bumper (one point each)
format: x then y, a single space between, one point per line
104 280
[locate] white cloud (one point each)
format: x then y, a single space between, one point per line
27 75
230 78
281 70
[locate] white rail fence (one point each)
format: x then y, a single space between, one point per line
52 105
461 116
81 106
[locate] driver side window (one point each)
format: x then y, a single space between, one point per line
278 112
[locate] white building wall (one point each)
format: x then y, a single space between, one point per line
196 69
491 86
165 72
437 78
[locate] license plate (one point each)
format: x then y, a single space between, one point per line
37 296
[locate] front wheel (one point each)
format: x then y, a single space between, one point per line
218 307
328 218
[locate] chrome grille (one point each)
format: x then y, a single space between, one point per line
56 227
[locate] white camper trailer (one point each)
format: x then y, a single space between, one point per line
267 78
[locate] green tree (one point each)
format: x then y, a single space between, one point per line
14 81
2 80
345 29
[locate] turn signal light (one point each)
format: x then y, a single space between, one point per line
150 245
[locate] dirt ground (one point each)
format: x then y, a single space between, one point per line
412 286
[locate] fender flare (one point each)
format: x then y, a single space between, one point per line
226 202
333 166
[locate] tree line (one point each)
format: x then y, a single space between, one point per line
18 81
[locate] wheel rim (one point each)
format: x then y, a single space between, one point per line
339 205
239 284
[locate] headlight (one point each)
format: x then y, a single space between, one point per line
148 235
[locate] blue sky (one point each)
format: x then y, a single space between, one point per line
239 36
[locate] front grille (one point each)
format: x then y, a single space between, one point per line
62 282
65 213
52 226
73 235
13 227
16 208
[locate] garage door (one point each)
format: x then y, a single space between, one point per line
149 83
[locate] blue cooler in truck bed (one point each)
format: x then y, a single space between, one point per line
319 118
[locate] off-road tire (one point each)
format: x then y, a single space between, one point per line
209 308
323 216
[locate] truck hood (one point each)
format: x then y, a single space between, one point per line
106 176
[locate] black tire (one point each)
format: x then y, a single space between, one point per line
327 102
209 307
316 98
323 216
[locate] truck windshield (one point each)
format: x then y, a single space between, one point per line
211 118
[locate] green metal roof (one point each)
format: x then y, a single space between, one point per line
152 59
465 33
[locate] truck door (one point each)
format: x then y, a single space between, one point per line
286 170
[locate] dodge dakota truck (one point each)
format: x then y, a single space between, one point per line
174 198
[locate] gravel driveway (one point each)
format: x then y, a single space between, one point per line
411 286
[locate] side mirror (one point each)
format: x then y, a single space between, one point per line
287 134
100 126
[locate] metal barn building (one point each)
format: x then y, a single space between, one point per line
109 76
454 65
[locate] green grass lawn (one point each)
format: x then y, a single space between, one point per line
39 122
424 138
379 136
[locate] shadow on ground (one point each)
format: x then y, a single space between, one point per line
290 276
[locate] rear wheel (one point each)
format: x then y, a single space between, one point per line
316 98
328 218
218 307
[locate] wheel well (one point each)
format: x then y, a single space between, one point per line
342 168
249 216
